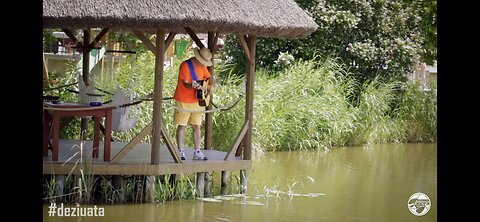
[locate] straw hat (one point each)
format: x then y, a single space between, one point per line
203 55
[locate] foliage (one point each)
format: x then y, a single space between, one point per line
48 37
427 11
385 38
129 41
313 109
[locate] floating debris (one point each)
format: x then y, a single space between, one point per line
224 198
314 194
236 195
311 179
258 196
206 199
295 194
254 203
268 193
274 191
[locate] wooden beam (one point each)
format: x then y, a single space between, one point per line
194 37
150 189
132 143
70 35
247 145
200 184
208 185
157 96
239 152
98 37
170 145
245 48
145 41
224 183
214 44
153 170
238 140
169 40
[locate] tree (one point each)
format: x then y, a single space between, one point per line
372 37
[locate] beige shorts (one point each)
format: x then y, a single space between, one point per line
182 117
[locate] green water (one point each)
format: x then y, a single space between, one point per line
345 184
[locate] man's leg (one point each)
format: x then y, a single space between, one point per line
196 121
197 136
181 119
180 136
197 154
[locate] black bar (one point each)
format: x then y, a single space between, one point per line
122 51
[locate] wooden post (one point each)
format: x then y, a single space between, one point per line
59 185
243 181
208 116
139 190
45 73
247 152
116 181
212 39
247 141
200 184
150 189
85 72
207 179
157 96
86 56
155 50
224 183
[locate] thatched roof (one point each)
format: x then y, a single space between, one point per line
273 18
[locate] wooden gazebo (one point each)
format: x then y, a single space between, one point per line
248 19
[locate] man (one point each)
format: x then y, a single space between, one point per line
190 112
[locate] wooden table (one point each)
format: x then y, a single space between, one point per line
53 112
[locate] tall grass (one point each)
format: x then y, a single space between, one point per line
303 107
310 105
416 113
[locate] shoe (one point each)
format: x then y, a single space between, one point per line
181 153
198 155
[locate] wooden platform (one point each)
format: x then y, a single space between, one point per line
136 162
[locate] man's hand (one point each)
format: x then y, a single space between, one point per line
196 85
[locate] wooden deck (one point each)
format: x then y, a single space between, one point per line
136 162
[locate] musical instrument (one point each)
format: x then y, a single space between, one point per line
202 93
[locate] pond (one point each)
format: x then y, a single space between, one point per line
371 183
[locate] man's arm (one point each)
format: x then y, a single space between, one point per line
191 85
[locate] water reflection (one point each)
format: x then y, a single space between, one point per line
345 184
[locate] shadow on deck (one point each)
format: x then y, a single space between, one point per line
136 162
